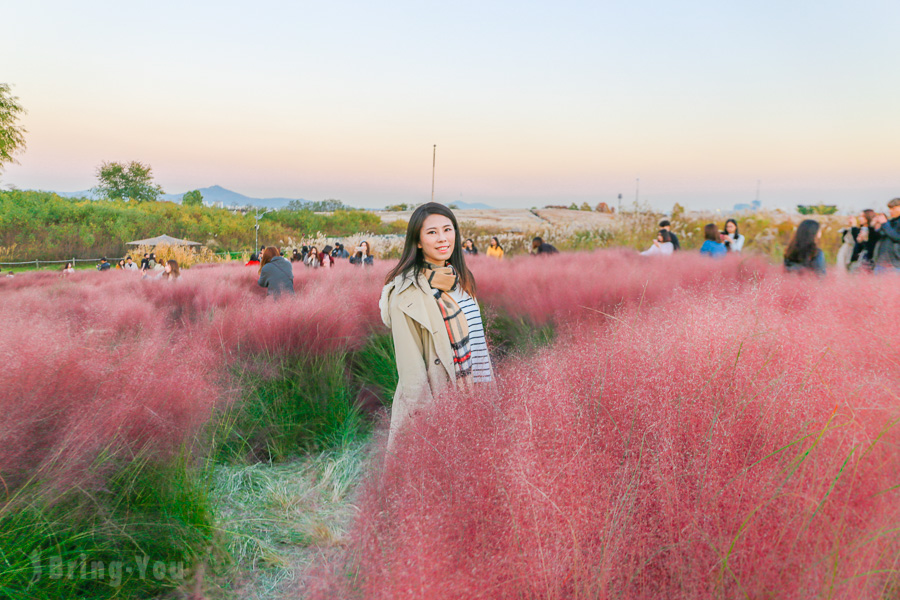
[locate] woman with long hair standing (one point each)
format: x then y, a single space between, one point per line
428 302
803 252
363 256
495 250
731 237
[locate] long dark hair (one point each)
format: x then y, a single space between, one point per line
737 232
665 235
412 260
803 248
498 243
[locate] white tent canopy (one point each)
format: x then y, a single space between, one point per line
163 239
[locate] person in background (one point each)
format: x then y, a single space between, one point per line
733 240
848 244
145 262
260 253
665 224
68 269
312 258
276 273
861 237
170 272
662 245
803 252
495 250
887 252
539 246
469 247
429 304
151 263
339 251
325 259
120 265
254 261
130 265
363 256
712 246
304 252
295 256
104 265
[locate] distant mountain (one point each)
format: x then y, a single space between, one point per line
472 205
211 195
216 194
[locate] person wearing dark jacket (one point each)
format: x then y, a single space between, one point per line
887 252
276 274
539 246
339 251
665 224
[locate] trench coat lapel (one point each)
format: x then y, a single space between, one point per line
416 305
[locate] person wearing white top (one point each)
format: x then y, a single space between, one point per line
733 240
662 245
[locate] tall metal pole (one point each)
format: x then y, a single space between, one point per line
433 163
637 191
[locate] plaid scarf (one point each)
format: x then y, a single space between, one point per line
443 280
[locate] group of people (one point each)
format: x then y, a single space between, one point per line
495 250
149 267
715 242
314 259
871 241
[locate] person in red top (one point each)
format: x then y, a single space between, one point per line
254 261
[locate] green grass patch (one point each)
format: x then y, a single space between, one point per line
139 534
308 406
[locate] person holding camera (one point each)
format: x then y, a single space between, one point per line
733 240
362 256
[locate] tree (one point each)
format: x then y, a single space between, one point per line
192 198
134 181
12 138
586 206
573 206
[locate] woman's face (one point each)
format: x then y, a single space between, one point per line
437 239
493 242
730 227
366 246
313 251
168 268
659 238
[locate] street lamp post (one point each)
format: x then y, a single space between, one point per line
258 216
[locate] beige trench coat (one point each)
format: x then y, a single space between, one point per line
421 345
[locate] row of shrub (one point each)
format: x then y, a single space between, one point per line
45 226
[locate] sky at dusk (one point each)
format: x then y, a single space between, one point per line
528 103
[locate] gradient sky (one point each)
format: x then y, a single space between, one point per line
529 103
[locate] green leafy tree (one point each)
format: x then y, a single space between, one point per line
573 206
586 206
134 181
192 198
12 134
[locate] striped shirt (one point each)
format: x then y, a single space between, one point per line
481 361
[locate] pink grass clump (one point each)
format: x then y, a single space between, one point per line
95 363
735 442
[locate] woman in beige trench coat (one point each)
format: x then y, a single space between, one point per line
428 302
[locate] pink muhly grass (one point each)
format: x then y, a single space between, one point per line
98 361
553 288
737 442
